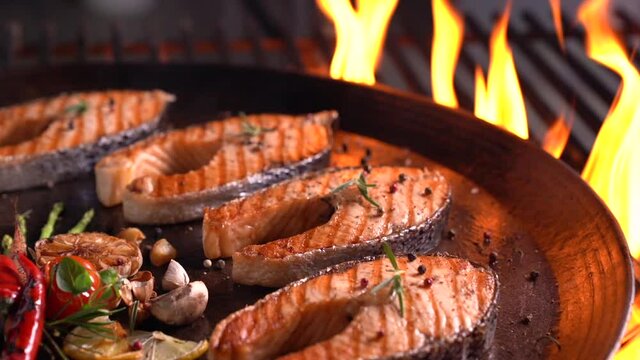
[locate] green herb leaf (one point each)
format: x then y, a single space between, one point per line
77 109
391 256
363 188
72 277
81 226
343 186
109 277
397 278
47 229
248 129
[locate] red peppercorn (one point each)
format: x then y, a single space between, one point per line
428 282
363 283
393 188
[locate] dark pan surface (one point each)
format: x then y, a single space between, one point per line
510 198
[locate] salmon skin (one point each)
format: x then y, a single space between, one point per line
171 177
342 313
294 229
53 139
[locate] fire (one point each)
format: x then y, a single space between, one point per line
557 136
360 34
498 99
613 167
556 11
448 31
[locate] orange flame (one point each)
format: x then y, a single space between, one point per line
557 136
448 31
360 34
556 11
613 167
499 100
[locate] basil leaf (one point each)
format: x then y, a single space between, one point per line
109 277
72 277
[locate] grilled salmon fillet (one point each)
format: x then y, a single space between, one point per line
296 228
52 139
170 178
449 312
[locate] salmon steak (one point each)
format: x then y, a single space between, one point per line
48 140
171 177
294 229
353 311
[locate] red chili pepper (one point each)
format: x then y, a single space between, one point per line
9 280
23 327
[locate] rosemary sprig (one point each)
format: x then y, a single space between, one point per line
47 229
396 279
77 109
250 130
85 318
54 344
363 188
82 224
134 316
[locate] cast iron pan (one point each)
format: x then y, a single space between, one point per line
534 212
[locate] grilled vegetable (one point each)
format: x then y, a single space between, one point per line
25 322
103 250
72 284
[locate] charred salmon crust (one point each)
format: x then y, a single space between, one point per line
69 145
294 229
335 314
171 177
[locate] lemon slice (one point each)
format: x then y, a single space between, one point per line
103 250
159 346
111 343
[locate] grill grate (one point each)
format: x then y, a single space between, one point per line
553 80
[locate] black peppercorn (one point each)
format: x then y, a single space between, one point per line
451 234
422 269
493 259
533 276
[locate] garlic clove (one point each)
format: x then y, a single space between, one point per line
162 252
132 234
142 286
175 276
125 292
182 305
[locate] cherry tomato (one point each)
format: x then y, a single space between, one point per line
60 303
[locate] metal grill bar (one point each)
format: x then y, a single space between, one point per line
552 79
